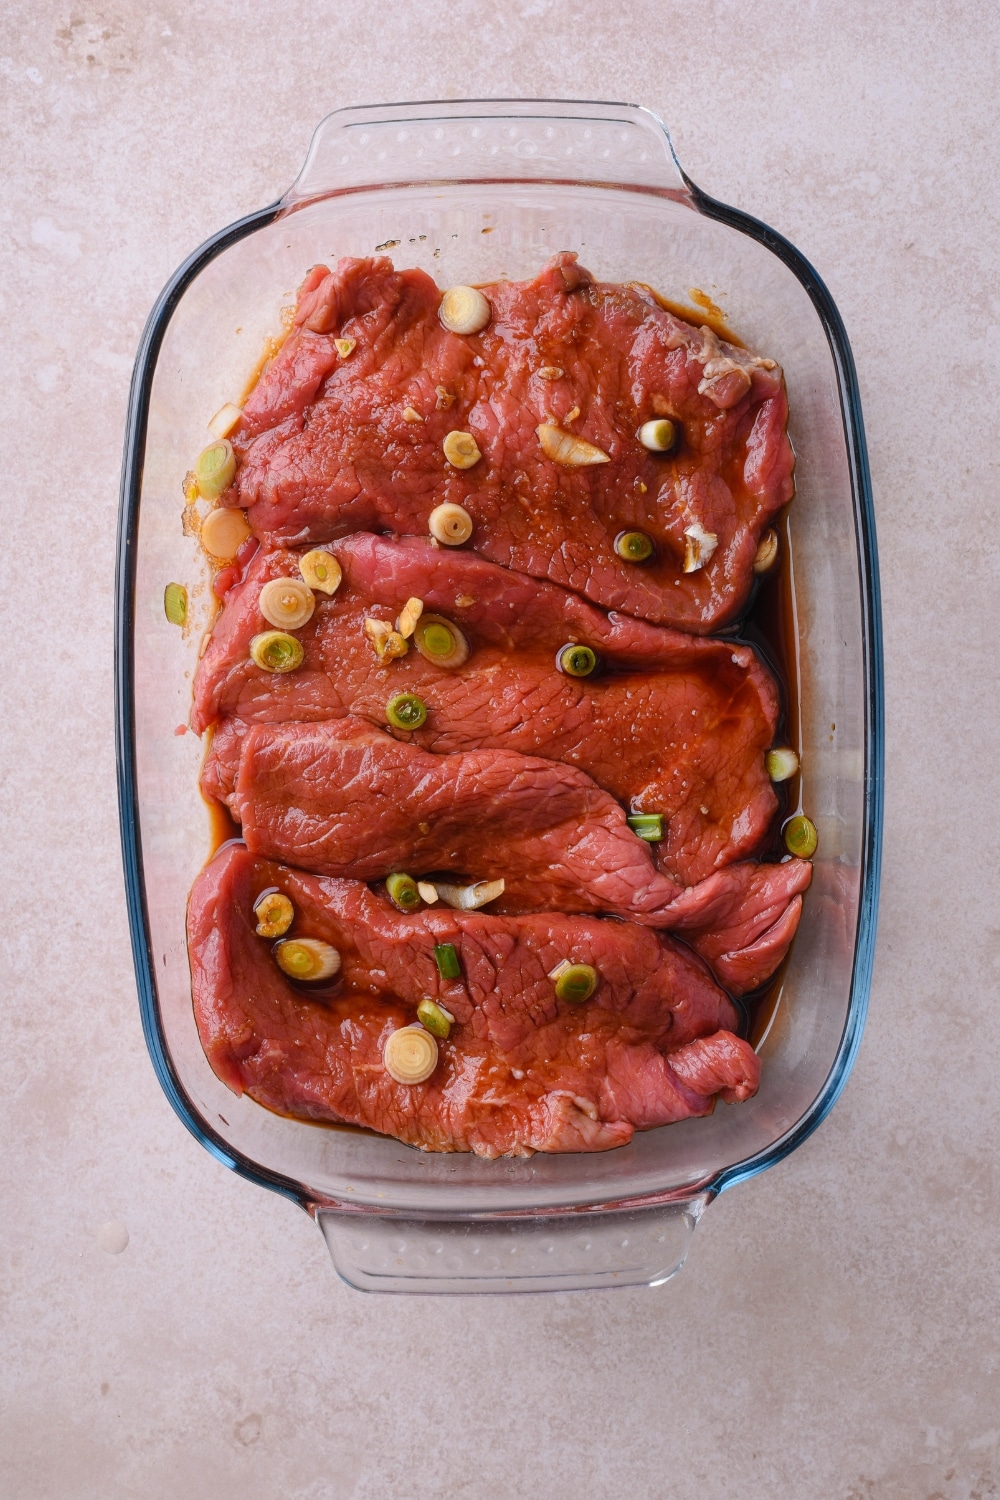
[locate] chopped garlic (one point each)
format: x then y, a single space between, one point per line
408 617
225 420
388 643
767 553
566 449
571 416
550 372
699 546
427 891
410 414
444 397
469 897
345 347
560 968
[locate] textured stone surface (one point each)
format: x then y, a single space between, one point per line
169 1330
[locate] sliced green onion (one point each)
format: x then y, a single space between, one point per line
450 524
223 533
633 546
274 913
648 826
574 982
286 603
447 960
464 309
406 711
437 1020
800 836
175 603
576 661
215 468
403 891
659 435
781 764
441 642
410 1055
308 959
275 651
438 639
461 450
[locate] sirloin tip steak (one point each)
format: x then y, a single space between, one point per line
521 1071
333 442
341 798
668 723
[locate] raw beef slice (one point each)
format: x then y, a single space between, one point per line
521 1070
341 798
331 444
668 723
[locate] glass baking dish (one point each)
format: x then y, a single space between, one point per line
473 191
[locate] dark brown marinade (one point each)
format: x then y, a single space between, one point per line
769 626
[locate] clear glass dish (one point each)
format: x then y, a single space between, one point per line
472 191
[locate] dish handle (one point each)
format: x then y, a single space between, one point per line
639 1246
495 140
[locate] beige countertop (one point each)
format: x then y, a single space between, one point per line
835 1332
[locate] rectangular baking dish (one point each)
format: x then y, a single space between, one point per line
473 191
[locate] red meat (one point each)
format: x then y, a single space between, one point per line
332 444
341 798
521 1070
668 723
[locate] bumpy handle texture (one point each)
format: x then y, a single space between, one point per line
623 1247
499 139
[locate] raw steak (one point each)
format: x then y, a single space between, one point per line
331 445
521 1071
668 723
341 798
